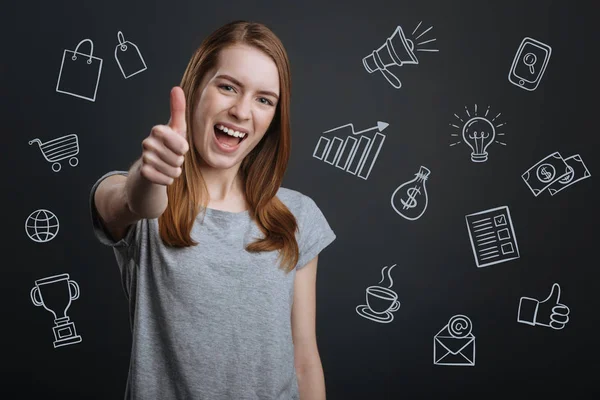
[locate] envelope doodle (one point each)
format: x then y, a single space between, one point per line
455 344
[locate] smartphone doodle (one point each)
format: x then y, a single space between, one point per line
529 64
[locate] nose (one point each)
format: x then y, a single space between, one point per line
241 108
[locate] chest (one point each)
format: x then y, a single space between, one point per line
220 275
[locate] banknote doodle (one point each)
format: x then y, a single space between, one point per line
555 173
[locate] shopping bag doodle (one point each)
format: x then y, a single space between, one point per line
79 73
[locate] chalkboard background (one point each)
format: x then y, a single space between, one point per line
436 275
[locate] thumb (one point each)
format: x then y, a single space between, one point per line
554 297
177 120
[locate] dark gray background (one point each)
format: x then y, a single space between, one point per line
436 276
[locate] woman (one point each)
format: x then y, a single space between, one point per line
217 260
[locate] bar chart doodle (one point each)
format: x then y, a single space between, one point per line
356 156
492 236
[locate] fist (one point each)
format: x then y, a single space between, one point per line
164 149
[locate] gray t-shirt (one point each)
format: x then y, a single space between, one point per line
212 321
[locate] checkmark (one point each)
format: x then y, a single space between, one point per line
500 220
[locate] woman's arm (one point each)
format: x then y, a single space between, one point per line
311 381
123 200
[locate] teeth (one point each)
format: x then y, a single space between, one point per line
231 132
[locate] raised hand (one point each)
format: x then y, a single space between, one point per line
164 149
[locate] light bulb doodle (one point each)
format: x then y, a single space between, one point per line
478 132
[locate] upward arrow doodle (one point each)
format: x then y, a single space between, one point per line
380 127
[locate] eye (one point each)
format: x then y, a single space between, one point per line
268 101
225 86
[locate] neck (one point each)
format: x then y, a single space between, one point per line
224 185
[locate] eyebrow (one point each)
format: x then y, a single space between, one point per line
232 79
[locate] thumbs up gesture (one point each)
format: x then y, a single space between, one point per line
549 312
165 147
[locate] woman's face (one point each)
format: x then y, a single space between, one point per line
241 93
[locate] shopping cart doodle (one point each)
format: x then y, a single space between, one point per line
59 149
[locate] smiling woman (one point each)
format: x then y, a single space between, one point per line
219 261
240 92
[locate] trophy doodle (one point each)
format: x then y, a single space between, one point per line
55 294
410 199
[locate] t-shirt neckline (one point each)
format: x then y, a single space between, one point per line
226 214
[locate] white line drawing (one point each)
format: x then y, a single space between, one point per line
529 64
381 301
50 293
454 344
492 236
397 50
42 226
478 132
128 54
356 156
577 172
555 173
410 199
546 172
58 149
549 312
79 73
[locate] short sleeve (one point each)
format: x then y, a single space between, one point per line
126 253
314 232
98 227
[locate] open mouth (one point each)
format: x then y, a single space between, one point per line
226 139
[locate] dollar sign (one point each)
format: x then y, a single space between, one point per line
547 174
411 202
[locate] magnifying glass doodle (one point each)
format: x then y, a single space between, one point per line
530 60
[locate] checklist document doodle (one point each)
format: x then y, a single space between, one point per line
492 236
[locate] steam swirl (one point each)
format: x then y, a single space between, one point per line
459 326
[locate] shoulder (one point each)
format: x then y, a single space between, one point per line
297 202
304 208
314 230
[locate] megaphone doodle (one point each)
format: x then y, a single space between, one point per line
395 52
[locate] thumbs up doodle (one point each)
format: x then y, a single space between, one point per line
549 312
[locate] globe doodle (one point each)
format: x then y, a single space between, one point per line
41 226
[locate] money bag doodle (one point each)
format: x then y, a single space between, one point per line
410 199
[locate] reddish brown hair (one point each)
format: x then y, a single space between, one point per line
263 168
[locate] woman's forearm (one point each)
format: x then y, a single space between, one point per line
311 382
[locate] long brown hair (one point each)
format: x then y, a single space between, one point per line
262 170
